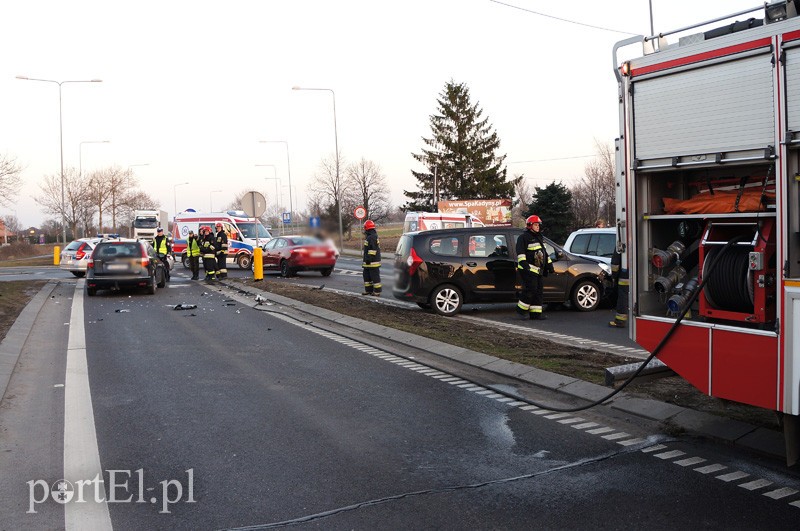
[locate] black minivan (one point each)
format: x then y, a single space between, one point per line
444 269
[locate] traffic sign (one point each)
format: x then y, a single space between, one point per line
360 212
254 204
313 222
287 217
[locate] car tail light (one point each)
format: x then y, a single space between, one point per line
145 258
80 253
300 251
90 263
414 261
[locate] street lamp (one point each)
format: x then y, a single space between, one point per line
277 180
336 140
61 142
175 195
289 172
80 152
210 200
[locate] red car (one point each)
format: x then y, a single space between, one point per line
291 254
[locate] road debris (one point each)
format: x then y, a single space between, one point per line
122 311
184 306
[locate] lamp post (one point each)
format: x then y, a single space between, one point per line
289 173
210 200
175 196
80 152
277 180
336 140
61 142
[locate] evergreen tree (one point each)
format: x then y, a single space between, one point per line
460 158
553 204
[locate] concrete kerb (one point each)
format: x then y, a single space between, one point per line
14 342
693 422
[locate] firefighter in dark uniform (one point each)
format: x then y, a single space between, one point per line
193 254
620 273
533 263
208 250
372 260
221 245
163 248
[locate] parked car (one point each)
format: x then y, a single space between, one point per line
291 254
124 263
443 269
597 244
76 255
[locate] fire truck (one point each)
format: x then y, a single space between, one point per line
708 204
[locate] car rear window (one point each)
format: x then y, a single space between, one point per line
305 240
73 246
403 247
119 250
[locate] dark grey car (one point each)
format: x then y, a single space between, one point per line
443 269
124 263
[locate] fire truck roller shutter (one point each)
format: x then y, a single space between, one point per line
793 87
689 112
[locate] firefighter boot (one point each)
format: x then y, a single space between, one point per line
538 316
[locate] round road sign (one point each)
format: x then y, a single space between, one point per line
360 212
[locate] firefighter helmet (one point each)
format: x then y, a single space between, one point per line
369 224
533 219
206 228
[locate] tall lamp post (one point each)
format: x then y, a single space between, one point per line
336 140
80 152
61 142
175 196
289 173
211 199
277 180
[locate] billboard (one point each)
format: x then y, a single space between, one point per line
489 211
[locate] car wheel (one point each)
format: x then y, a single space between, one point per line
245 261
585 296
185 261
91 292
162 281
424 305
78 274
446 300
327 271
151 288
286 271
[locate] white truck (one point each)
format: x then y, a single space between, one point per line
419 221
146 222
708 217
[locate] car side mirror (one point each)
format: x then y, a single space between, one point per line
559 255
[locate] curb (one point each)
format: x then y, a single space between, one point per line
13 343
698 423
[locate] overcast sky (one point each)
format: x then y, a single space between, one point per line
190 87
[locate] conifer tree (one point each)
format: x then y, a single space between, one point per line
553 204
460 157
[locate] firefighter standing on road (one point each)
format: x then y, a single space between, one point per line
620 273
193 254
533 263
208 249
163 248
221 245
372 260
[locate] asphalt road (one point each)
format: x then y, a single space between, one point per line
230 415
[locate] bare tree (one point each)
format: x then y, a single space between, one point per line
371 188
593 198
10 180
330 190
75 196
524 196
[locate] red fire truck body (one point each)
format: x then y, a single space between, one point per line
708 171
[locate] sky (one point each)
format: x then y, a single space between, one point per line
189 88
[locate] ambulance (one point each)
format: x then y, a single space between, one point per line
418 221
244 234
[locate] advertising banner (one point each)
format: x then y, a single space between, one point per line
489 211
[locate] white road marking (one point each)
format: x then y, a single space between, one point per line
780 493
757 484
615 436
733 476
670 455
81 455
653 448
710 469
585 425
598 431
631 442
690 461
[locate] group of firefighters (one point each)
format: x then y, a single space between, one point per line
212 248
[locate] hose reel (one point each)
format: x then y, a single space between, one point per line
743 286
